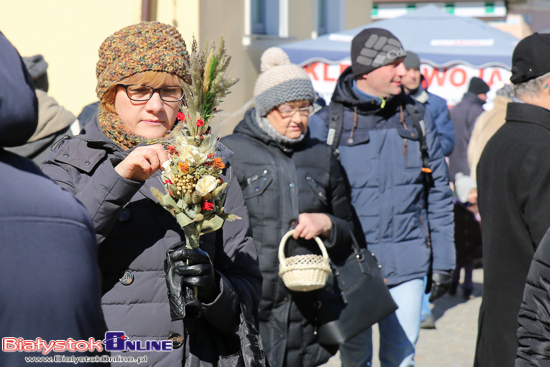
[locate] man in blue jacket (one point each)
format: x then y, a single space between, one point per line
49 277
404 210
412 83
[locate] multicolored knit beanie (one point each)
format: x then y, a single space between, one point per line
280 82
147 46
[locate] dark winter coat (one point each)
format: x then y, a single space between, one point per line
437 107
278 184
514 196
383 165
88 113
464 116
49 278
534 314
53 123
467 235
134 232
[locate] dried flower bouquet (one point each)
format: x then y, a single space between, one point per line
195 193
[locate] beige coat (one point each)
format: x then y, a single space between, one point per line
52 117
485 127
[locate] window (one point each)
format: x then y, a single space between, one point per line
264 16
329 17
321 17
257 12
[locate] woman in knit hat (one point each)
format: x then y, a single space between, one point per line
112 166
289 181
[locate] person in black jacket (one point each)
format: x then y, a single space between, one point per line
289 181
49 278
514 195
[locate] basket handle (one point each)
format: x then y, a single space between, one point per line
283 243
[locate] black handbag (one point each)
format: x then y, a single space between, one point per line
355 297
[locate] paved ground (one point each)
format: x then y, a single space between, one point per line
452 343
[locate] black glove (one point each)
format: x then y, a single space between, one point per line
183 304
196 270
441 283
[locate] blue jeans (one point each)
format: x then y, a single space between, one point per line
398 332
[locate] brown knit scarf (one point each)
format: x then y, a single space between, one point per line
119 134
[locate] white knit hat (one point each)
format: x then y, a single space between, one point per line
280 82
463 185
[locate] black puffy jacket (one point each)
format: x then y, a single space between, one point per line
534 315
278 184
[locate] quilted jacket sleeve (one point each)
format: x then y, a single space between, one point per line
440 207
534 315
341 216
442 118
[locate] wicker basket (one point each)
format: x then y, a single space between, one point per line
303 273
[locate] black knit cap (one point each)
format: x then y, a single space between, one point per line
373 48
531 58
412 61
478 86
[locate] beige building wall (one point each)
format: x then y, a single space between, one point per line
69 32
301 18
226 18
357 13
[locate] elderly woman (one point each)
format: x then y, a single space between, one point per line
289 181
112 166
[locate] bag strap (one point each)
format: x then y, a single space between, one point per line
420 127
363 265
336 117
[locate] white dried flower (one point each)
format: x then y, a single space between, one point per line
206 184
192 155
166 166
167 171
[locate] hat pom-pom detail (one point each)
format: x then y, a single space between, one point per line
272 57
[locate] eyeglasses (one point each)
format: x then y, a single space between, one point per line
143 93
287 111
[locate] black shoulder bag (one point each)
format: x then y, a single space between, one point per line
355 297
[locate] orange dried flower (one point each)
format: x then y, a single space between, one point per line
217 162
184 167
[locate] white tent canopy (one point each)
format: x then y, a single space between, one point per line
439 38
